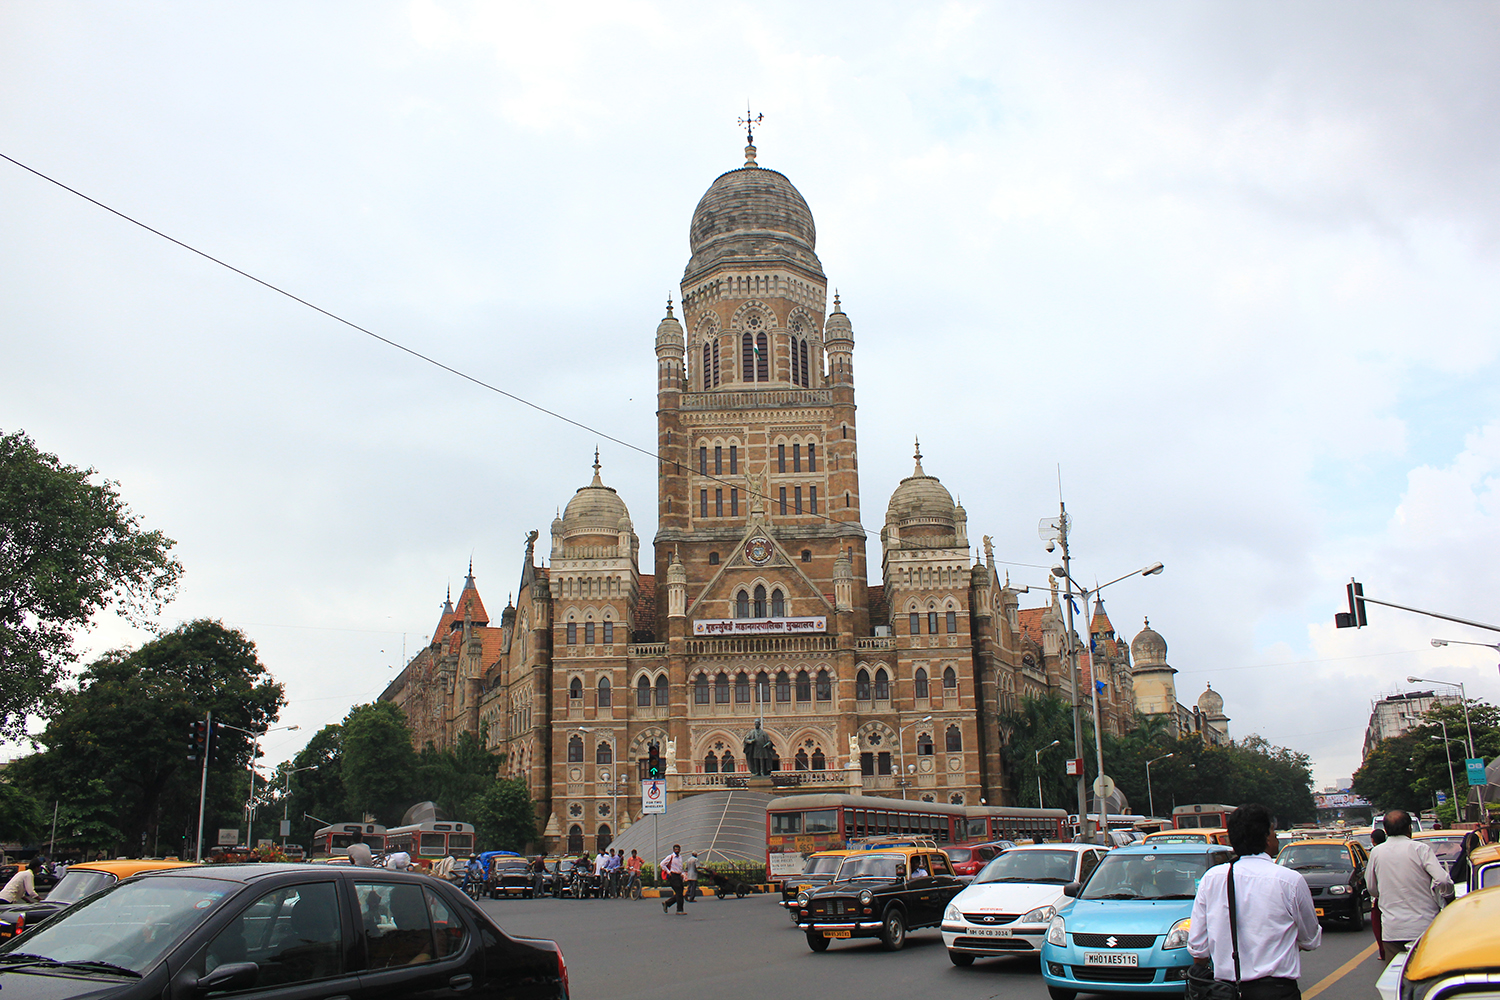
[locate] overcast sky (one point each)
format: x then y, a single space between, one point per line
1227 271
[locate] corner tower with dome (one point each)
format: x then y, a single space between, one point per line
760 606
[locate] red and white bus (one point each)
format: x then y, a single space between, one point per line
799 825
431 840
334 841
1200 816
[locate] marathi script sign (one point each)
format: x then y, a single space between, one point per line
760 626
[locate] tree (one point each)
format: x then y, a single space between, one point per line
378 764
1406 771
20 815
452 778
116 747
69 548
1033 727
504 816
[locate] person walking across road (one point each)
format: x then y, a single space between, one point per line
690 877
1407 882
359 851
671 870
1252 916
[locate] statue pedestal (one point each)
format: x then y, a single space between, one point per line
756 784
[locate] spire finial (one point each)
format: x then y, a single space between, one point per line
597 480
836 307
669 303
918 456
750 122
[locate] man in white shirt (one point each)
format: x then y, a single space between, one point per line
1274 914
1407 882
22 885
359 851
671 870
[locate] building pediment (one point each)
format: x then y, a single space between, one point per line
759 559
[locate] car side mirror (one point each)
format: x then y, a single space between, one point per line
230 976
1071 889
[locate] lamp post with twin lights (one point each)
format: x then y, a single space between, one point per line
255 736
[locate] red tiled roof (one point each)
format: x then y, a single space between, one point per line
445 625
481 617
645 607
880 610
1030 621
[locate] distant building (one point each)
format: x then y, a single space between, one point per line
1156 693
1395 714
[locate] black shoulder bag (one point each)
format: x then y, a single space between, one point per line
1201 984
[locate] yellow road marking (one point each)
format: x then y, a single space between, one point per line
1339 973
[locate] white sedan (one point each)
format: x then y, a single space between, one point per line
1006 909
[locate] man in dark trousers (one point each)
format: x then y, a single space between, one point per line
1274 914
671 870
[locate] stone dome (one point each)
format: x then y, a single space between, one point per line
1210 702
1148 647
595 509
752 214
669 332
921 506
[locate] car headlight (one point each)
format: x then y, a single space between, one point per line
953 914
802 898
1338 890
1040 915
1057 933
1178 935
866 897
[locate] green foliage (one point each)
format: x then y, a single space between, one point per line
21 818
503 815
69 548
1031 728
115 748
1405 772
377 762
453 778
317 785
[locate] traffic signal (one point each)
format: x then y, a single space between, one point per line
197 739
1355 616
654 769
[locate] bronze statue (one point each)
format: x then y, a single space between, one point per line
758 751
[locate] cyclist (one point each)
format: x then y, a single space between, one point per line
633 871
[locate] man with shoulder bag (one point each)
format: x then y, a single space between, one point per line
1251 917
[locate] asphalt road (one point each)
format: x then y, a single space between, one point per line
725 950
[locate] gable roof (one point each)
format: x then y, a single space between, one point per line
880 610
645 606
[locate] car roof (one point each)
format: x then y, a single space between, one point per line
1054 847
248 873
1484 854
839 853
1189 832
1439 835
1464 936
1340 841
127 868
1146 847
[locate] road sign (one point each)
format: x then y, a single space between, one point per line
229 836
1477 777
1104 786
1442 797
1075 767
286 828
653 797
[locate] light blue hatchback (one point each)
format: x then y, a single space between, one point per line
1126 929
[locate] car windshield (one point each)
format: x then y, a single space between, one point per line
78 883
821 866
1309 857
1020 865
1180 838
871 866
1447 849
1148 876
959 855
128 926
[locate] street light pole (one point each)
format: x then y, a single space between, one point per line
254 752
901 750
1049 746
1150 798
1059 532
1463 699
286 796
1452 783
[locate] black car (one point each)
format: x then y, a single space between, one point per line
881 893
1335 874
285 931
511 877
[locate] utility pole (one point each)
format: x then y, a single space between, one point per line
208 739
1062 541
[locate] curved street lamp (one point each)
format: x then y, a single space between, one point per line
1151 799
1049 746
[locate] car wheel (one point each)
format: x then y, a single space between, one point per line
962 959
1057 994
1357 917
816 941
893 930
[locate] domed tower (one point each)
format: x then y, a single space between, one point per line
1155 687
1211 713
755 423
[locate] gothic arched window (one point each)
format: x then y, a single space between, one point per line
727 764
707 367
862 685
824 686
603 839
804 686
802 349
742 688
778 604
700 690
575 750
882 685
760 601
721 689
747 359
604 754
919 683
742 605
783 687
799 762
762 358
604 701
762 687
954 741
575 839
819 762
643 692
924 744
575 688
950 679
661 691
711 763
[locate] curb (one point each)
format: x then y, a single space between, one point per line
661 893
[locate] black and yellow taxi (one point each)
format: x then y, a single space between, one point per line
817 871
1458 954
1334 869
882 892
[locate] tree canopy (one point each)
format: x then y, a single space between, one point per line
1406 771
69 547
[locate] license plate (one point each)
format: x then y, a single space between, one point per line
1111 958
1319 911
836 934
804 888
991 931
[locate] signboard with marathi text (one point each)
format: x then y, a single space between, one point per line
653 796
760 626
1475 767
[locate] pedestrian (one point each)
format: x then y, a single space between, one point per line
22 885
1377 837
690 876
671 871
1251 917
633 865
398 861
359 851
1407 881
1459 869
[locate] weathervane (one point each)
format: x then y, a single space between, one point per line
750 122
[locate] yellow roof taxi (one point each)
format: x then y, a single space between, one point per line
1457 956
